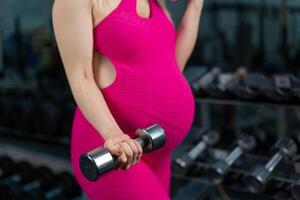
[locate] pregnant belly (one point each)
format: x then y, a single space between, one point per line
139 100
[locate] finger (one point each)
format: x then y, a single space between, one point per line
128 152
140 150
134 150
114 149
122 161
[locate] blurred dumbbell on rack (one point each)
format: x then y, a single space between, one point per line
257 86
260 175
22 173
295 190
247 89
193 74
295 90
20 180
265 139
284 193
186 160
198 86
223 88
63 186
245 143
278 88
274 88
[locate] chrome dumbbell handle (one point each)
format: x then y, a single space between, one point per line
210 138
191 156
221 167
197 150
206 79
274 161
245 143
234 155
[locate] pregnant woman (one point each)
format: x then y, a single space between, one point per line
124 61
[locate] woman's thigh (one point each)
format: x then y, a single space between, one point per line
138 182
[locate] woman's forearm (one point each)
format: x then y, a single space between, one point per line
92 104
187 32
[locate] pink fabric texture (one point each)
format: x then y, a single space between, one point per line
149 88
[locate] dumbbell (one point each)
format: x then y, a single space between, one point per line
247 88
64 187
276 88
282 92
186 160
295 190
198 85
295 82
43 185
260 175
245 143
283 194
193 74
11 192
23 172
225 86
99 161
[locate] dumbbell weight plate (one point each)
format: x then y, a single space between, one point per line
22 174
155 134
68 184
257 180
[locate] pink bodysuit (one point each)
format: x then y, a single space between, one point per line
149 88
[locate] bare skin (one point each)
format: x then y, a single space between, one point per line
87 71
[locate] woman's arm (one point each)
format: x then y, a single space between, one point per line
187 32
73 26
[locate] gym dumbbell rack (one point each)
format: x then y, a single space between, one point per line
197 183
20 179
32 115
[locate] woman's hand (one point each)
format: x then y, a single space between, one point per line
127 150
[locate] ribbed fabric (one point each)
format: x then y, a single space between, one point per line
149 88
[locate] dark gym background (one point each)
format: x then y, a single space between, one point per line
260 36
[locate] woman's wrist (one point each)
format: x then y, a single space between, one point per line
111 132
